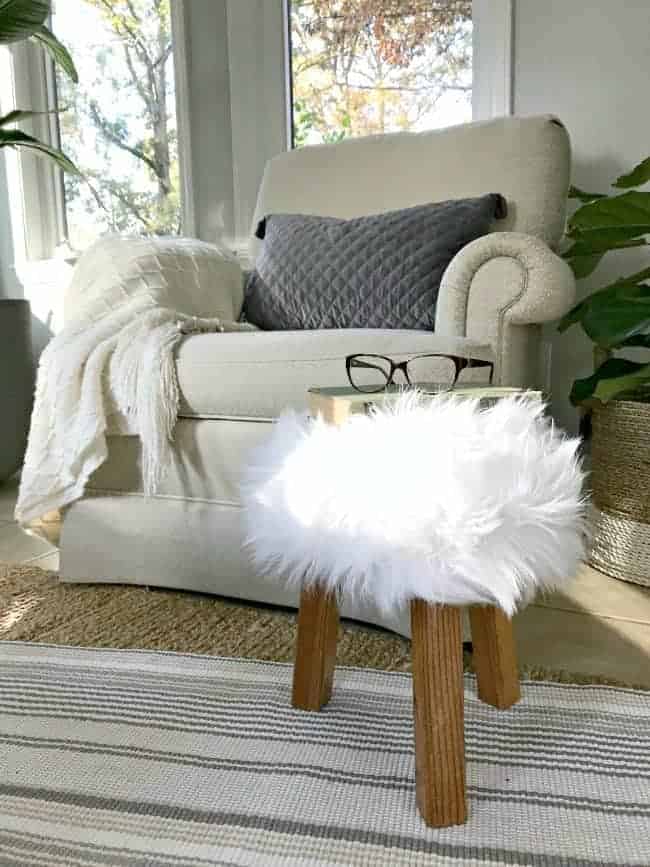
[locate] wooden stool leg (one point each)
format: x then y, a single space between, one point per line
313 671
495 658
437 658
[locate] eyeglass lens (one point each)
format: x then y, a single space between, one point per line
369 372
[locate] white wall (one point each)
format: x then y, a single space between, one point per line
588 61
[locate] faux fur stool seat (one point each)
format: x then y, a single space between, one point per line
436 502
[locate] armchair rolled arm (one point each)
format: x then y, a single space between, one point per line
498 290
190 276
544 291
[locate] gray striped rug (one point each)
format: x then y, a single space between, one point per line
144 758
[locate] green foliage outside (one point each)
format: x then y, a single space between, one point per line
616 317
361 67
120 122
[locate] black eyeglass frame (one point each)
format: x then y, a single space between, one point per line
460 363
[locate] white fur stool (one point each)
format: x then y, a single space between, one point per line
435 502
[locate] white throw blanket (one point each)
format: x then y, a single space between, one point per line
112 368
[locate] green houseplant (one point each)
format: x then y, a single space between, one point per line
616 318
25 19
618 315
19 20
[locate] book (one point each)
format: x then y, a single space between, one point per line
336 404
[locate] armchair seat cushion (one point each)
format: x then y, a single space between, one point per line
258 374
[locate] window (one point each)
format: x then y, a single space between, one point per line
262 72
119 123
360 67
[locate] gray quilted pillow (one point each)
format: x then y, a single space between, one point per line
381 271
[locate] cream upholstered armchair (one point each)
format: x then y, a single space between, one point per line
494 296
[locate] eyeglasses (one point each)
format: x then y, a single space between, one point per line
371 374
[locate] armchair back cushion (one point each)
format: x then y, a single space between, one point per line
526 159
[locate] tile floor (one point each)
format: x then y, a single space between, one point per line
597 626
16 545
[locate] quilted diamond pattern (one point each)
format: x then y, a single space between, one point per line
381 271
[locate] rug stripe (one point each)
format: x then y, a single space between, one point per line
377 781
94 853
379 722
278 734
492 757
223 722
271 669
512 736
293 827
636 725
370 687
208 704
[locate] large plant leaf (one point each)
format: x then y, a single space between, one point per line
21 114
633 384
19 19
637 277
615 378
627 215
603 238
583 264
613 317
586 252
639 175
58 52
18 138
577 193
638 340
614 293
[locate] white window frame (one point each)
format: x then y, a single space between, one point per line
259 89
183 119
34 195
38 180
492 85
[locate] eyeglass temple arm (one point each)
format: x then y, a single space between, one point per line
479 362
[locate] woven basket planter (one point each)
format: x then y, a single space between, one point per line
621 485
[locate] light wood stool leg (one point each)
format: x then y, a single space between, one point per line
495 657
313 670
437 659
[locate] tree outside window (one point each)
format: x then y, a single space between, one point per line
119 123
361 67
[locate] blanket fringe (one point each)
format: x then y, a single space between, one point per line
145 384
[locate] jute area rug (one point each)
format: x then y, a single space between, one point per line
35 606
170 760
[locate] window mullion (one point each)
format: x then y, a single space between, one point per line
59 213
40 177
492 65
257 51
180 48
